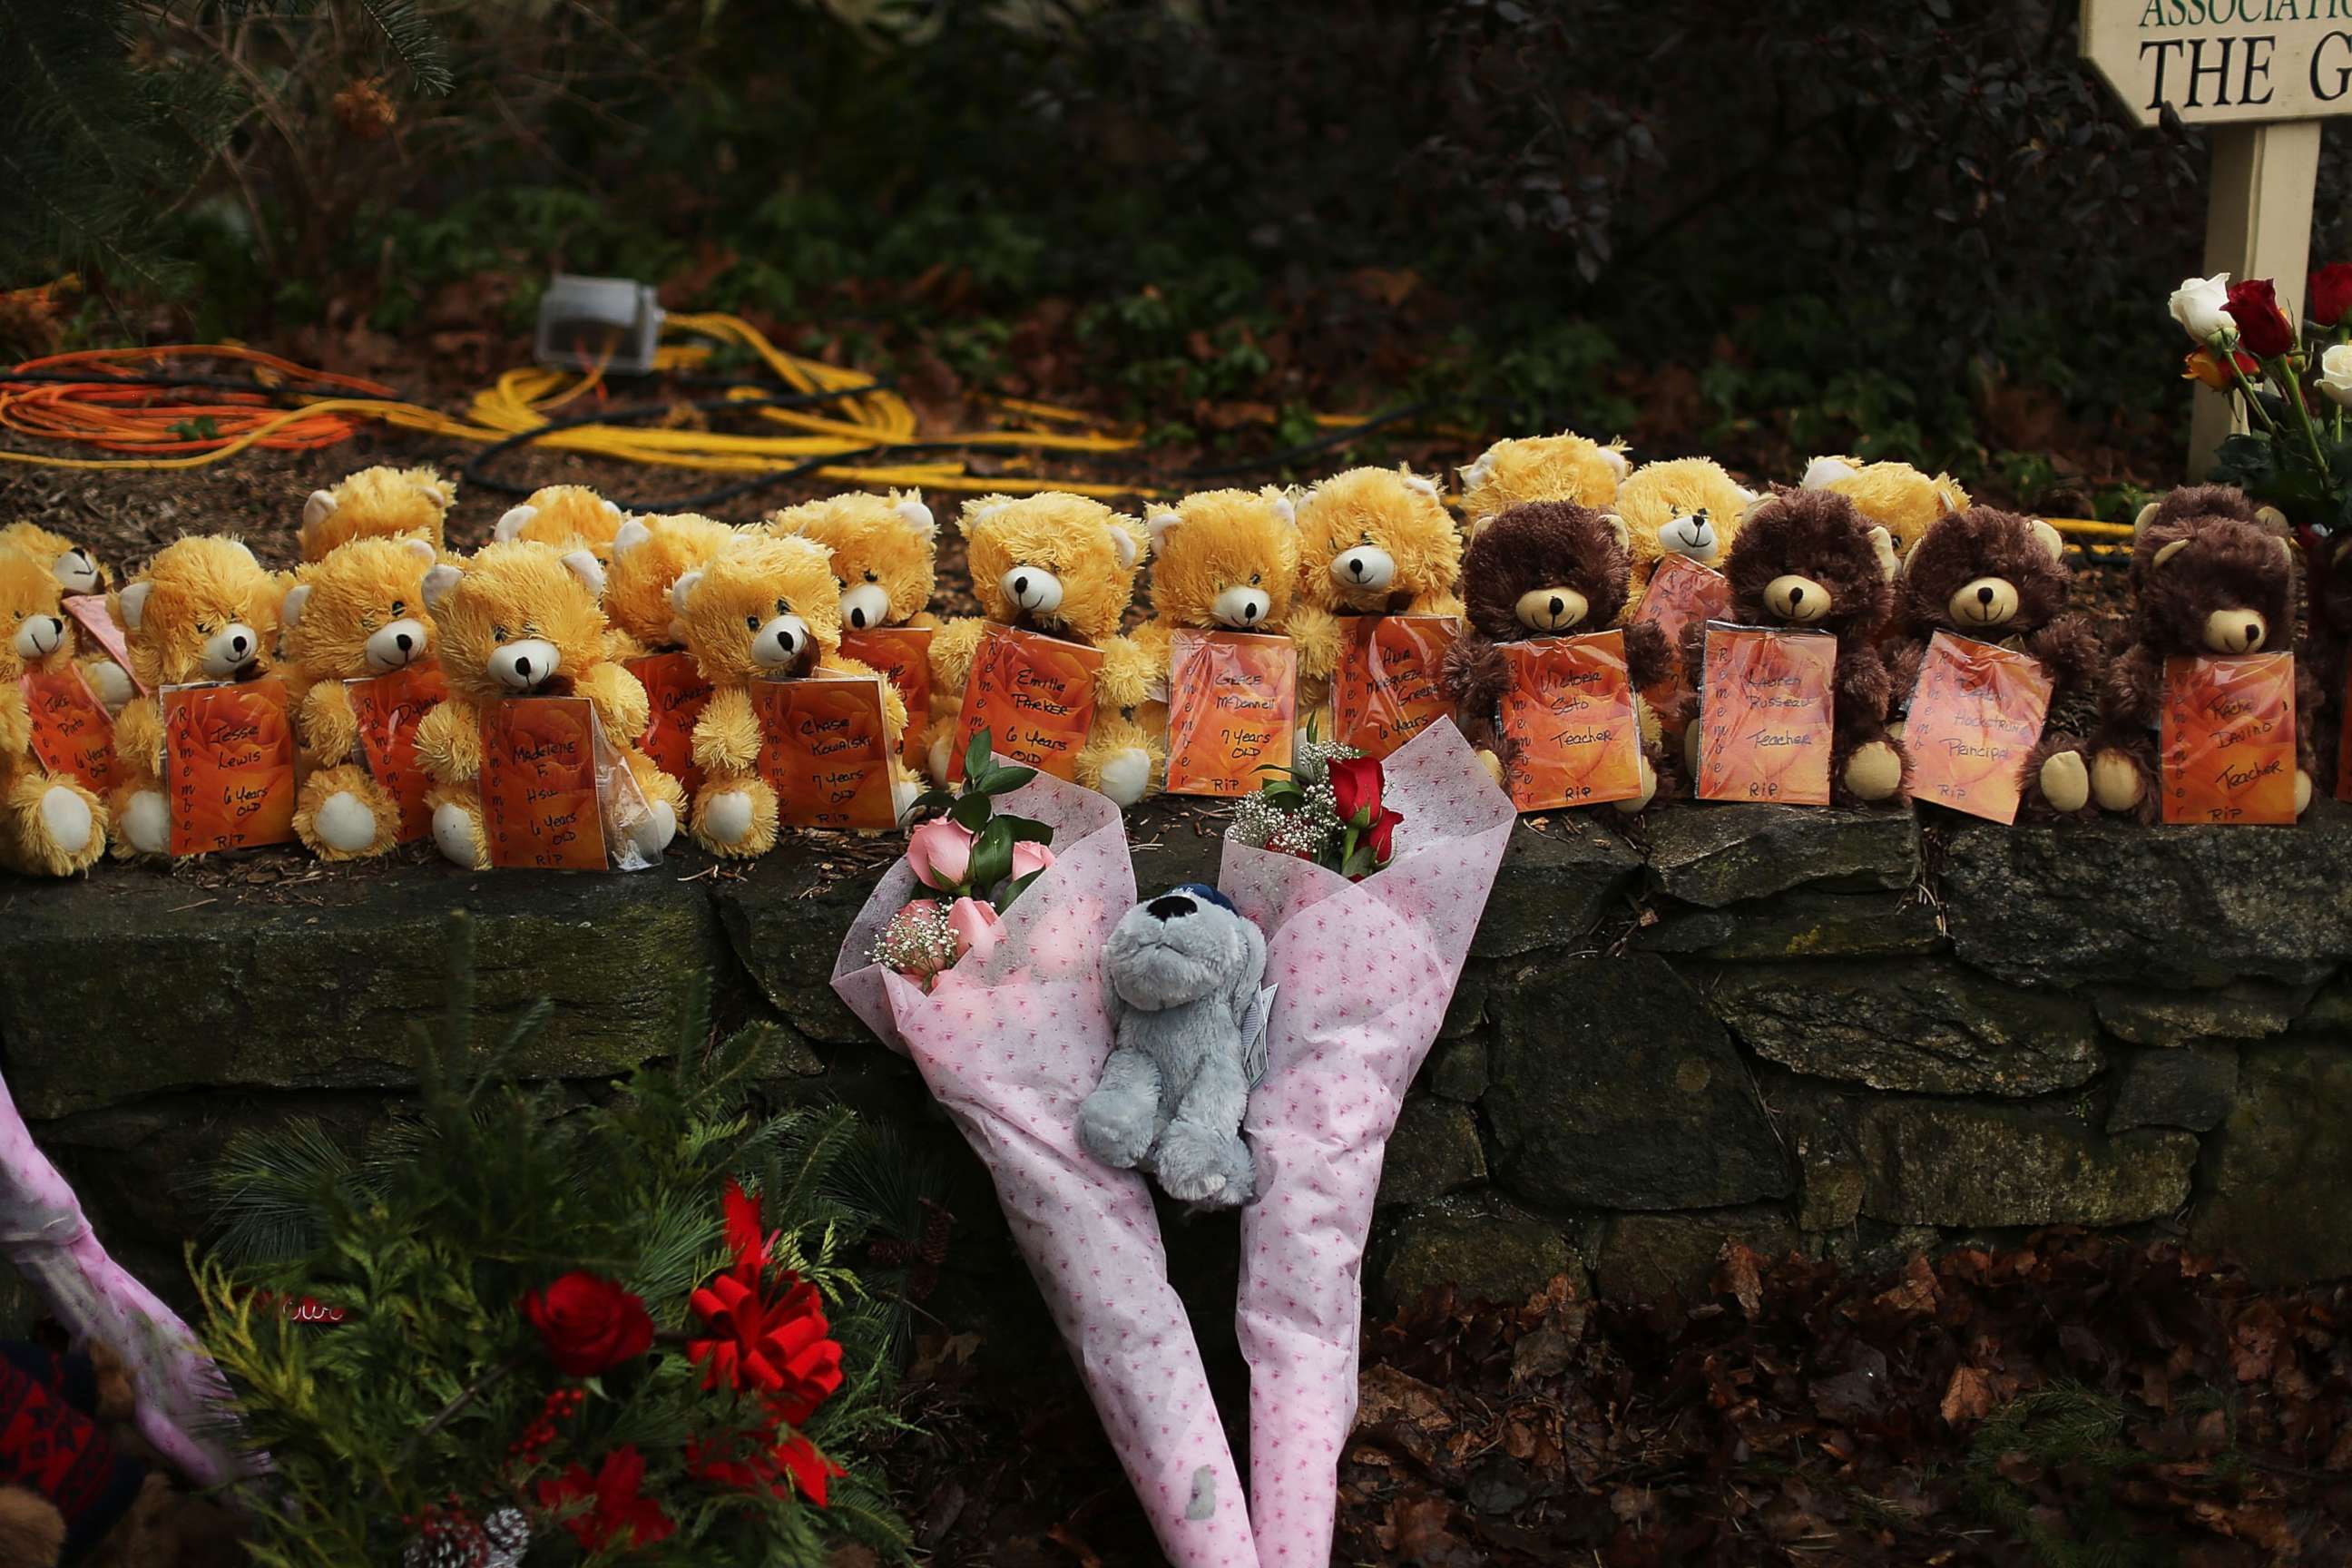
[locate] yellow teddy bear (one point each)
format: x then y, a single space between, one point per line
1371 542
358 614
523 619
379 502
883 549
50 824
1062 566
205 610
1221 560
570 517
1898 498
1565 466
650 555
766 608
1683 506
79 572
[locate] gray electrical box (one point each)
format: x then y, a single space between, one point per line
587 324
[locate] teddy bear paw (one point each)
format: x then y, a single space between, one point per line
1493 764
1647 778
67 818
1874 772
2301 792
1126 775
114 688
727 817
345 822
147 822
941 757
652 832
903 794
454 835
1196 1165
2115 782
2066 781
1117 1127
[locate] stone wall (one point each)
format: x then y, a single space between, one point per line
1829 1031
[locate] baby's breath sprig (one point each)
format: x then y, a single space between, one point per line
1295 812
917 943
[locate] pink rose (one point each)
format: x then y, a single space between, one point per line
975 927
1028 858
940 854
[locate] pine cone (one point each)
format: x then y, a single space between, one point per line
450 1541
508 1531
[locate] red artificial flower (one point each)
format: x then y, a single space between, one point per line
2204 365
2331 294
778 1348
1356 790
2262 327
791 1463
591 1325
1383 836
617 1514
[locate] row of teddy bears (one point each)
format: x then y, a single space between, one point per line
1563 534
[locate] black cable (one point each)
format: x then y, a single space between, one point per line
213 383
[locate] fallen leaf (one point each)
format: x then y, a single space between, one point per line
1738 1276
1968 1395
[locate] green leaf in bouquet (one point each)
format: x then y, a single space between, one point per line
977 756
970 813
2246 461
1284 791
992 854
1004 781
1028 830
928 804
1014 889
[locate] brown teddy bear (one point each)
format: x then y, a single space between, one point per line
521 619
72 1489
2328 649
2210 575
1549 569
1062 566
1897 496
1565 466
358 614
380 502
51 824
570 517
1685 506
1371 542
205 610
1997 577
1805 560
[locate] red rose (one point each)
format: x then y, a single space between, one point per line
2331 294
1356 790
2262 327
1383 839
591 1325
616 1514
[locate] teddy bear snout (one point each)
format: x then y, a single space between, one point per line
1367 566
40 635
1170 906
1795 598
1242 607
865 606
1551 609
397 645
1986 602
231 649
2236 631
76 572
779 642
1693 536
1033 589
525 666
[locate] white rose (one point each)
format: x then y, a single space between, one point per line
2335 374
2200 305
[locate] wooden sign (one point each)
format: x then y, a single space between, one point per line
1764 715
540 808
825 750
73 736
679 693
1976 715
1681 593
1570 736
903 655
1387 686
389 709
1034 696
2228 727
228 765
1232 710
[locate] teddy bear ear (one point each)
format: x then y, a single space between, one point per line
318 507
1160 522
631 534
1619 464
2139 524
917 516
2048 537
1823 472
1284 508
511 524
133 600
2270 517
1881 544
442 491
289 612
683 589
1122 544
2167 552
1479 472
612 511
1616 525
588 569
443 577
1426 487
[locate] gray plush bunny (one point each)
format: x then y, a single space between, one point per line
1182 971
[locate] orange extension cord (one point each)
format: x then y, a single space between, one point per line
158 421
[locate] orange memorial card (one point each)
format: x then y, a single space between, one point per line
903 655
1034 696
1764 715
1232 708
1976 716
677 693
2228 738
389 709
72 734
540 805
1387 686
1681 594
823 750
228 765
1567 724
